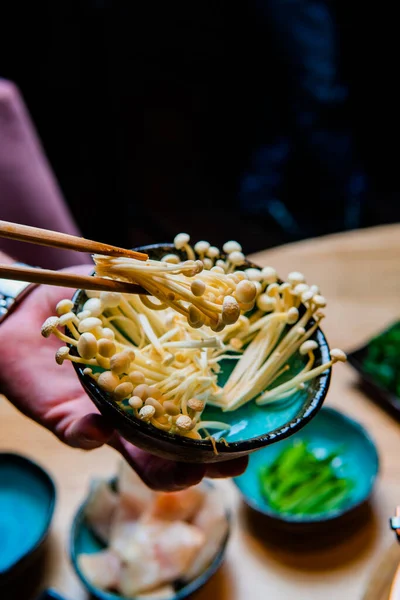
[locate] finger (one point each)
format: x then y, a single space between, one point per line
158 473
229 468
88 432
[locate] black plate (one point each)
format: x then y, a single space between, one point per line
375 390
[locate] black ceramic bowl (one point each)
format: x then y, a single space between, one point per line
252 426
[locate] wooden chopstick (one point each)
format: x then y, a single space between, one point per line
46 237
58 278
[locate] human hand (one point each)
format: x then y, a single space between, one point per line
52 395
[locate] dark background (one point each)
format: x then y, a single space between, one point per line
264 121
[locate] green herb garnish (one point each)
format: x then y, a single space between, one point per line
298 482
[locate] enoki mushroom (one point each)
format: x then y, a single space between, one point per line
204 296
160 359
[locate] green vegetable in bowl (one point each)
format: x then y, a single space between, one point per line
299 482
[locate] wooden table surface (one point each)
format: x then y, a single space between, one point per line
359 274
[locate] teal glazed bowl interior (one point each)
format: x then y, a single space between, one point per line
329 430
27 501
83 540
252 426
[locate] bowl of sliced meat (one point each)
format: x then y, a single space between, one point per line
130 542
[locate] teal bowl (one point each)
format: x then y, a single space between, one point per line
329 430
27 502
252 426
83 540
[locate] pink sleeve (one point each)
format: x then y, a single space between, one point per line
29 193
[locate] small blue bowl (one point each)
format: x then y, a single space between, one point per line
27 502
329 430
83 540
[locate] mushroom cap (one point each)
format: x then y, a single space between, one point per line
147 412
181 240
184 422
231 246
62 354
338 355
49 326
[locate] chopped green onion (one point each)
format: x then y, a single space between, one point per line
298 482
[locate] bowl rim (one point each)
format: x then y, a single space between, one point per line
306 413
184 592
40 472
334 514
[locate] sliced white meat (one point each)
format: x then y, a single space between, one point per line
176 544
132 490
138 576
211 519
122 531
173 506
160 552
166 592
100 509
102 569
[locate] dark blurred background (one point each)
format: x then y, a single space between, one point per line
265 121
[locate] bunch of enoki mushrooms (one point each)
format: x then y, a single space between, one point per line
159 355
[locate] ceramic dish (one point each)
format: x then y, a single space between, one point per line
374 388
27 501
329 430
252 426
84 541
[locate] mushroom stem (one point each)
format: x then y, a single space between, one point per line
66 338
152 305
213 425
301 378
265 375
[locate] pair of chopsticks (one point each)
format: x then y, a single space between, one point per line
55 239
